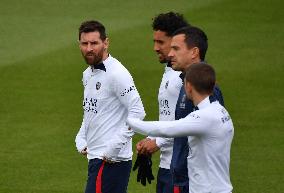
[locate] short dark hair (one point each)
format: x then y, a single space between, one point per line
92 26
202 77
194 37
169 22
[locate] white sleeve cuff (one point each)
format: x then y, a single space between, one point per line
161 141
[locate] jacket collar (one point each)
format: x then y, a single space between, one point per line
169 64
182 75
99 66
204 103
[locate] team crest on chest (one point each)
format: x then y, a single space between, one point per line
182 103
98 85
167 84
183 98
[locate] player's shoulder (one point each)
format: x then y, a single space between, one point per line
117 73
115 67
87 72
172 72
222 112
211 112
216 112
175 75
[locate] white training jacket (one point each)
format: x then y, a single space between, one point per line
211 130
168 95
110 97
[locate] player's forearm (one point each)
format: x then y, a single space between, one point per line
151 128
136 109
81 143
162 141
80 139
179 128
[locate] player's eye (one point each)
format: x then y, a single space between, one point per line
174 48
93 43
83 43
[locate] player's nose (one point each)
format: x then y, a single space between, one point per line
156 47
89 47
171 54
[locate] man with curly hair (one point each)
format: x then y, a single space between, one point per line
164 25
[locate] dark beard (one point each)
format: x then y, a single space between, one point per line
97 58
165 61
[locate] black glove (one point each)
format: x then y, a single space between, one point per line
144 165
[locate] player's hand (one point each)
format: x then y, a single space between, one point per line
112 150
144 165
139 145
84 151
149 147
109 160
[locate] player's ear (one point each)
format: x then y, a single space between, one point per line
106 44
186 85
188 89
79 43
195 52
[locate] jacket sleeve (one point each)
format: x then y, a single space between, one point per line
162 141
192 125
80 139
129 97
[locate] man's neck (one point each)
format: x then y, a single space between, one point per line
105 56
194 61
197 98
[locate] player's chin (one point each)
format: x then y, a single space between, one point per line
174 65
162 59
89 61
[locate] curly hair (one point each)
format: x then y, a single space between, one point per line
169 22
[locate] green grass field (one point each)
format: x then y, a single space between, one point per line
41 90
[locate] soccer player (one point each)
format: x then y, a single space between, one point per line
110 97
188 46
210 130
164 25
